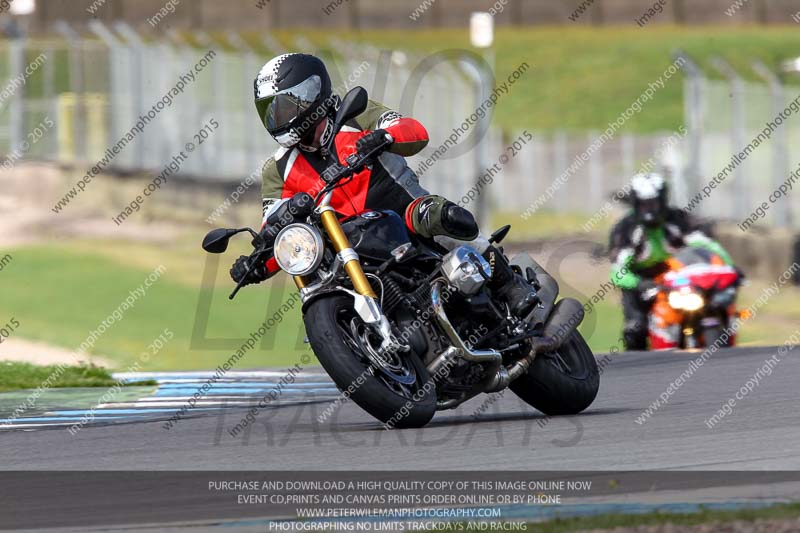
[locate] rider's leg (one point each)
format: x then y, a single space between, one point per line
634 312
436 217
431 216
510 286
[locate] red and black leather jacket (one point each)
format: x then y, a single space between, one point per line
388 184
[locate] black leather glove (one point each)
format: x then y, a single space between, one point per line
239 271
646 288
373 140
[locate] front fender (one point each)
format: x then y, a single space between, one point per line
366 307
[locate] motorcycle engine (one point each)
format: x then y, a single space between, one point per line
466 270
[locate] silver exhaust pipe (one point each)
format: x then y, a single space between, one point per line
498 379
442 359
566 317
476 356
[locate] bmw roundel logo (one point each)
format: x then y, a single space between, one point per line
369 215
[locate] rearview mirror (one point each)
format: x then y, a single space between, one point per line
216 241
353 104
499 235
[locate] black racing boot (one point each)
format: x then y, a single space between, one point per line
508 285
634 338
459 223
433 215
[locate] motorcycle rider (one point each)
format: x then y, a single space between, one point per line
295 103
640 245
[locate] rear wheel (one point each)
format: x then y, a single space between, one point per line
564 382
394 388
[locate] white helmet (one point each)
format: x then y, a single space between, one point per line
649 193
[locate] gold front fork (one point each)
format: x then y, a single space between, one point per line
340 243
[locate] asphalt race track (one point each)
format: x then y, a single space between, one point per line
762 432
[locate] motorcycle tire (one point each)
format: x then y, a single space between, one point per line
356 377
712 335
561 383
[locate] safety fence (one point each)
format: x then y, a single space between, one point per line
114 101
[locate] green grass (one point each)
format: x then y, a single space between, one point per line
583 77
60 295
547 224
705 516
76 288
580 77
16 376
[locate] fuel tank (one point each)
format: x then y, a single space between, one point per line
374 234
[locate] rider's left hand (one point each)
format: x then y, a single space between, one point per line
239 271
373 140
648 289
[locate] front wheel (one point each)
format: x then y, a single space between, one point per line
397 390
712 335
564 382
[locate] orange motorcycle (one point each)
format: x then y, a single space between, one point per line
695 302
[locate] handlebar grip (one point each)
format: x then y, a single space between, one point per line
354 163
297 207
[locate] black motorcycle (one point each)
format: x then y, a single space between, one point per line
405 327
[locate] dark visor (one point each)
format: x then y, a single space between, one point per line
649 208
278 111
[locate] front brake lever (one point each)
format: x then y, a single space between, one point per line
238 286
254 257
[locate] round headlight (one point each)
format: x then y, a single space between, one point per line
298 249
685 300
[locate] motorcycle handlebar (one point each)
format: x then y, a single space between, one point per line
354 164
